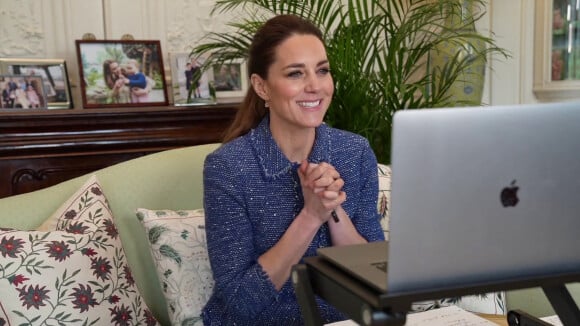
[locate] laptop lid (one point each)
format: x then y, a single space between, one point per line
366 262
483 195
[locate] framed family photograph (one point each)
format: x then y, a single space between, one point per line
190 85
230 79
121 73
22 92
54 76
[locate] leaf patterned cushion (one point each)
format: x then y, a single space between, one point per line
75 274
384 202
179 250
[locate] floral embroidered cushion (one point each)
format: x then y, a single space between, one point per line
76 274
179 250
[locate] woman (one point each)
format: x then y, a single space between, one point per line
271 189
114 79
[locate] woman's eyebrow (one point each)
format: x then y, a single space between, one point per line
301 65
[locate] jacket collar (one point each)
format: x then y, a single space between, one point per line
273 162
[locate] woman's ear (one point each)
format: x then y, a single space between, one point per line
260 87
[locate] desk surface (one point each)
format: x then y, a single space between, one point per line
498 319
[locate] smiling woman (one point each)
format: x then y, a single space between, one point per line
297 173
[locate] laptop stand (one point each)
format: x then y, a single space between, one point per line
368 307
359 302
521 318
562 302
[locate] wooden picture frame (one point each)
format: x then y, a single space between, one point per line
183 75
54 76
121 73
20 92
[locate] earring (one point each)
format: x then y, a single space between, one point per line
266 104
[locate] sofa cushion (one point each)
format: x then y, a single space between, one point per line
76 273
87 201
384 200
179 250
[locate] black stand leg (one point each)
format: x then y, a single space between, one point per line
563 304
305 295
350 305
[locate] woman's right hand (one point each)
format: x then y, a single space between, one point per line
321 188
119 83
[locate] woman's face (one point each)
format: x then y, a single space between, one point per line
115 69
299 86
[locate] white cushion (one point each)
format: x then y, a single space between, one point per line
179 250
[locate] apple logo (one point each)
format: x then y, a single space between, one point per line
509 195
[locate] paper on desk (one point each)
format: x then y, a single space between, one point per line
554 320
447 316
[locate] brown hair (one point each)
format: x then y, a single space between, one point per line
108 74
262 54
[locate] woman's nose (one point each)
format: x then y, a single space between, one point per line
312 83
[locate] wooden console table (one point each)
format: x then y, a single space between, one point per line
41 148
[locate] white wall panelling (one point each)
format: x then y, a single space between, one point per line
513 25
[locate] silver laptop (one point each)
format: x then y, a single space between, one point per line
483 195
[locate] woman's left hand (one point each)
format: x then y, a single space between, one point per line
322 181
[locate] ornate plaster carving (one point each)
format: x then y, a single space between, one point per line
21 32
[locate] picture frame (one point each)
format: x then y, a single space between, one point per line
121 73
184 70
54 76
22 92
230 79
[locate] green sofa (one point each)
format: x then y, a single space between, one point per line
170 179
165 180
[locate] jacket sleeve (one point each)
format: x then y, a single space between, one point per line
241 284
138 80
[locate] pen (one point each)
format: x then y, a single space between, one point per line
334 216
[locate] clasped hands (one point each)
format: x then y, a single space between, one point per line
322 189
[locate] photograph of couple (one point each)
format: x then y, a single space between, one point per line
122 73
191 85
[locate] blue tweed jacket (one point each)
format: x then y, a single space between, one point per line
251 195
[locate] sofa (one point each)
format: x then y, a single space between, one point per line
140 195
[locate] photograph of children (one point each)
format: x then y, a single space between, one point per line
121 73
190 85
54 78
22 92
230 79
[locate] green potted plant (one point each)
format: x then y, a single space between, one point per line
379 53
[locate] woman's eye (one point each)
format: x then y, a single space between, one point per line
324 71
294 74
